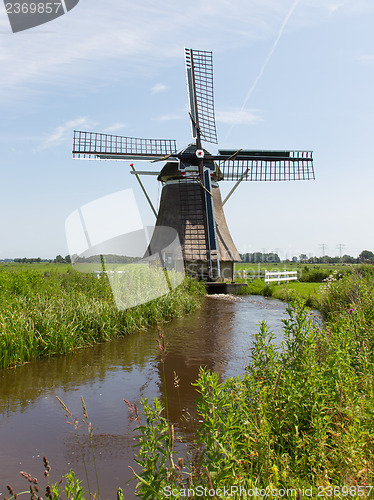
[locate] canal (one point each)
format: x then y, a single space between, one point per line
33 424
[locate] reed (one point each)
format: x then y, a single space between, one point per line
45 314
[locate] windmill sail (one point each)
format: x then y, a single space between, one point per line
266 165
199 69
92 145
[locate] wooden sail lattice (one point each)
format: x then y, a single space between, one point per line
297 166
199 67
93 145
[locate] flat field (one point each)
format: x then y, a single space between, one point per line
39 266
291 266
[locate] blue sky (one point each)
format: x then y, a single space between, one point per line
287 75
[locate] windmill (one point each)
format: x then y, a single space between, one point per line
191 201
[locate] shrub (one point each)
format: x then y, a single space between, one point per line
314 275
267 291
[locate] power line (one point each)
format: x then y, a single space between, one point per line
340 246
323 247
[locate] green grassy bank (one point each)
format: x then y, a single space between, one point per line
311 284
45 313
310 293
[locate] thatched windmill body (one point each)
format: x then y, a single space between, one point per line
191 201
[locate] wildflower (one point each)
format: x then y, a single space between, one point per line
47 467
351 311
29 477
46 464
134 412
162 345
10 489
176 381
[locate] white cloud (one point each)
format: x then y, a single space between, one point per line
238 117
159 87
341 7
168 118
366 59
92 37
115 127
64 132
334 7
85 45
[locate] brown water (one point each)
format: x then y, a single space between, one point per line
32 422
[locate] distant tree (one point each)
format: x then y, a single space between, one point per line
59 259
366 256
67 259
303 258
348 259
272 257
259 257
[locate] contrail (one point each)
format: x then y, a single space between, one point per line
268 57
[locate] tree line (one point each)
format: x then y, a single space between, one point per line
365 257
27 260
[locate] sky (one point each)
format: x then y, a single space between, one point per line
288 74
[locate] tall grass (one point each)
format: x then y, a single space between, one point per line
44 314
